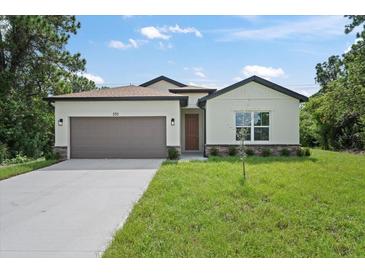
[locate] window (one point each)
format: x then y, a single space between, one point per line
256 122
243 120
261 126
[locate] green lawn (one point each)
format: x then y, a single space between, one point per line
12 170
289 207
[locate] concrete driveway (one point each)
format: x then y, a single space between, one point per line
70 209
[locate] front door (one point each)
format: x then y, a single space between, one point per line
191 131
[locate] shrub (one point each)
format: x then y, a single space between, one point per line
300 152
4 153
232 150
214 151
18 159
52 156
250 152
173 153
285 152
266 152
307 152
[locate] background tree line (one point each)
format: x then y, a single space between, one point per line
34 63
334 118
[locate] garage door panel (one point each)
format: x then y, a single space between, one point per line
118 137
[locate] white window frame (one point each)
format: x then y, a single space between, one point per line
252 127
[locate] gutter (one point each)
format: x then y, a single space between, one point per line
183 99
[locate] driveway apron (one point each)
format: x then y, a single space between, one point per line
70 209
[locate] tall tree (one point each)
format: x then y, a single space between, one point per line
34 63
337 112
328 71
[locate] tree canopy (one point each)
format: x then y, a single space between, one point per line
335 117
34 63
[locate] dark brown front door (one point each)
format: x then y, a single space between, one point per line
191 131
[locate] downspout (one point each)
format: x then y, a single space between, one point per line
205 130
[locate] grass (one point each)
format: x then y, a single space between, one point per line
288 207
13 170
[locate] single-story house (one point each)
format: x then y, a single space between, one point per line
144 121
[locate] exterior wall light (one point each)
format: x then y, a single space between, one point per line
172 121
60 122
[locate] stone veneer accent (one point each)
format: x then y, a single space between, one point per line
275 149
61 151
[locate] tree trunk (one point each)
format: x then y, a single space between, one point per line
244 169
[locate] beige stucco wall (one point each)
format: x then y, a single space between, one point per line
67 109
163 86
284 114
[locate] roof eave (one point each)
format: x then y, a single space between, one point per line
203 90
183 99
258 80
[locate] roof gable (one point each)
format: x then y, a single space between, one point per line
162 78
259 80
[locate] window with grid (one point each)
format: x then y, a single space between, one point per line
256 125
243 121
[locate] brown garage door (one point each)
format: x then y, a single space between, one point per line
118 137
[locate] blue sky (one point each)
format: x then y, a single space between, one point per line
212 51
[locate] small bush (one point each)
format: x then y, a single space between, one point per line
300 152
214 151
18 159
232 151
266 152
285 152
173 153
4 152
307 152
250 152
52 156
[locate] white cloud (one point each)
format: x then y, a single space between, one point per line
237 79
307 91
265 72
116 44
200 74
198 71
120 45
357 40
250 18
313 27
153 33
178 29
133 43
204 85
164 46
96 78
